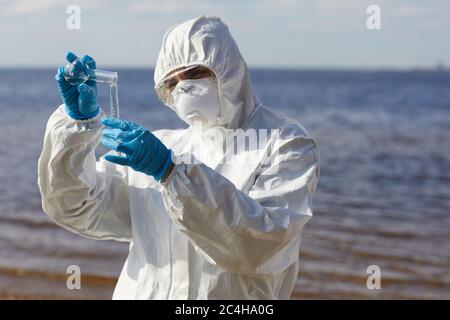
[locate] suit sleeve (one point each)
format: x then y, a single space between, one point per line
254 233
87 197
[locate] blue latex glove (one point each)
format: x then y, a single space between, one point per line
80 100
143 151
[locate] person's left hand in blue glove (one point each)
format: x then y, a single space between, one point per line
143 151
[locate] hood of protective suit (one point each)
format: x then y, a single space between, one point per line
207 41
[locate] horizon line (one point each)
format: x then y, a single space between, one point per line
256 67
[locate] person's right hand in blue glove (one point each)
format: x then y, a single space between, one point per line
143 151
80 100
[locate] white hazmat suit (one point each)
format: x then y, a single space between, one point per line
214 229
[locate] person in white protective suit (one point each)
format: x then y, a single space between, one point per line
203 229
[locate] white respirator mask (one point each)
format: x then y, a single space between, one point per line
197 100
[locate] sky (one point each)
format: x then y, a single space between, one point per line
282 33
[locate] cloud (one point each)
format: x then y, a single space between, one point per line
176 6
415 10
346 5
157 6
27 7
22 7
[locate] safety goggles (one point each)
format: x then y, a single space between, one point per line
168 83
